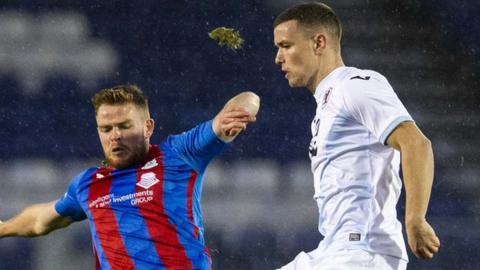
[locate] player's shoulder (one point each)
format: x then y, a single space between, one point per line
355 81
355 76
85 175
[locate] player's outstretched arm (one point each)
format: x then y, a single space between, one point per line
35 220
417 168
235 115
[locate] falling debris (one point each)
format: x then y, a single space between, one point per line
227 37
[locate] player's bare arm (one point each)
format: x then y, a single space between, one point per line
417 166
35 220
235 115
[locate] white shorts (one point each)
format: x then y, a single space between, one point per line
357 259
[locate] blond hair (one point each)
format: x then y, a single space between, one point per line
121 94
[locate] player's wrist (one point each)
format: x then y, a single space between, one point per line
411 221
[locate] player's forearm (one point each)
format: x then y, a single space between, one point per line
27 223
418 167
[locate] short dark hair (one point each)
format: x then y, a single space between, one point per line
120 94
311 15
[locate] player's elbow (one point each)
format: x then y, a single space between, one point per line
39 230
44 226
40 224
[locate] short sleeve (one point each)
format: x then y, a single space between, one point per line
375 105
198 146
68 205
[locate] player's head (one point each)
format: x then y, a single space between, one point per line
124 124
308 40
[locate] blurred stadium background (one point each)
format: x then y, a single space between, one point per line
257 199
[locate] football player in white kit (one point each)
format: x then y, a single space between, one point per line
360 133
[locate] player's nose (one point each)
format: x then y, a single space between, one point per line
115 134
279 59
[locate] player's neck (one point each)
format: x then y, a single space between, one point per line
148 153
326 67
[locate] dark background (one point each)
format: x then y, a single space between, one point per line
428 50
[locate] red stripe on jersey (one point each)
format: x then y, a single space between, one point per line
105 222
191 186
163 233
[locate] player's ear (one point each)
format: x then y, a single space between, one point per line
319 42
148 128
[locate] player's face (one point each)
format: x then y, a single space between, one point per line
124 132
295 54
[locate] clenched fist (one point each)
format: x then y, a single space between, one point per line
422 239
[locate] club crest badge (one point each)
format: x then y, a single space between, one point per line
326 97
147 180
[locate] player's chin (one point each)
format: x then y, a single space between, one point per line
119 163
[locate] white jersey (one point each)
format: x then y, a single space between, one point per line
356 176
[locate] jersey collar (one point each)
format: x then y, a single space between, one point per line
327 82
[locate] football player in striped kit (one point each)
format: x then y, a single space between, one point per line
358 133
143 205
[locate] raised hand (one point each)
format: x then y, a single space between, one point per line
235 115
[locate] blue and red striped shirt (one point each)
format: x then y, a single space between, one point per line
149 216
